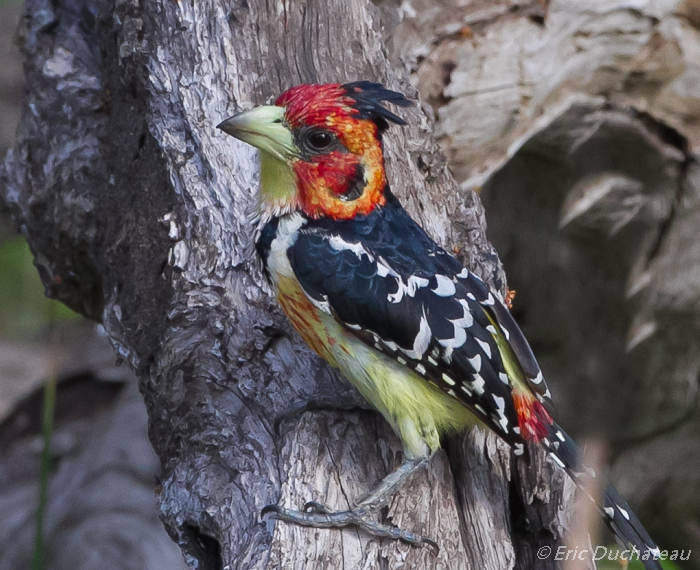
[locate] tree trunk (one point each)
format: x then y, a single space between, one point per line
136 209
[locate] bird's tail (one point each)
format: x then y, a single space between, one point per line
616 513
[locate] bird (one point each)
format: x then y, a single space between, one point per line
422 338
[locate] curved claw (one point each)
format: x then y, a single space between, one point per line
431 543
316 508
275 509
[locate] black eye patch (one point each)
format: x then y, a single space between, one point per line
356 185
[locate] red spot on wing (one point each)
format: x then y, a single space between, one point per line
533 418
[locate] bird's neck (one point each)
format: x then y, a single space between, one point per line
278 189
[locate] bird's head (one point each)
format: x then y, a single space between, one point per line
320 148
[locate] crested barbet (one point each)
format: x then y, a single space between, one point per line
423 339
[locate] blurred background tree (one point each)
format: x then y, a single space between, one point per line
100 510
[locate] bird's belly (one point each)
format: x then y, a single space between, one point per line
417 409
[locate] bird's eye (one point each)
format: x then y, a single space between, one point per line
320 140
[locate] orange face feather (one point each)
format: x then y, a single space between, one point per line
323 179
305 318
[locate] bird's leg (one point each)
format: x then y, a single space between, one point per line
319 516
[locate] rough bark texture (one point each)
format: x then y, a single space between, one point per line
135 207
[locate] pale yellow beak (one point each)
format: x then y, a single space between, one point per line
264 128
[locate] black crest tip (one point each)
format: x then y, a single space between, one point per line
368 97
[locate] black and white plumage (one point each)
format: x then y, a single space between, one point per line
424 340
390 286
383 278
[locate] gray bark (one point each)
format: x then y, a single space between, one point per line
135 207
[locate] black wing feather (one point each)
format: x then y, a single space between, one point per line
381 275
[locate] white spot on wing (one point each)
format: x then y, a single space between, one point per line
460 336
505 333
414 283
420 368
500 404
501 408
478 384
463 274
447 379
339 244
492 329
384 269
624 512
560 436
485 347
610 512
422 340
466 320
489 300
459 339
471 296
504 378
447 356
475 362
519 447
445 287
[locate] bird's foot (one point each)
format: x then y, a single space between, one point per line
317 515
